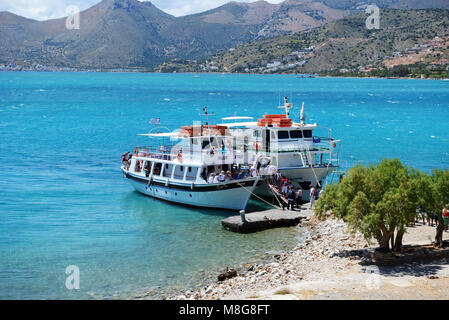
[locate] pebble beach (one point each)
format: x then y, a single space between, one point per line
330 265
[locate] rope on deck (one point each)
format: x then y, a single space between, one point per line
258 196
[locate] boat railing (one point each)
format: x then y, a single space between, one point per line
206 156
317 144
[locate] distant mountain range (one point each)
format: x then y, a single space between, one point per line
129 34
405 37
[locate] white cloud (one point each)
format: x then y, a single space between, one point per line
51 9
43 9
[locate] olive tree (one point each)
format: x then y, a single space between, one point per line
434 195
379 201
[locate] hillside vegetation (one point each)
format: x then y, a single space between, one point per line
346 44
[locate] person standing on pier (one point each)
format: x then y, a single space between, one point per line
313 195
291 197
299 197
284 184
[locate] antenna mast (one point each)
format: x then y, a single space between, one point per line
207 115
287 106
303 119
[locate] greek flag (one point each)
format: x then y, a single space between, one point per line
155 121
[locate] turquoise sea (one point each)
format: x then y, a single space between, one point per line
63 200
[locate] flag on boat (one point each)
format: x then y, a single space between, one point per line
155 121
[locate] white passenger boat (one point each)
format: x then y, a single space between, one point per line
294 149
180 172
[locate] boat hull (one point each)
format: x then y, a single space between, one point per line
229 196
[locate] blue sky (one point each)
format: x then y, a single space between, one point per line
49 9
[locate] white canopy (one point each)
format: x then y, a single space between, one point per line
161 135
236 118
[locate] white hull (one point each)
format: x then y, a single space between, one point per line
307 174
235 198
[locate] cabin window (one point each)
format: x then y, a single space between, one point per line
283 135
273 135
191 175
307 134
157 169
257 133
178 173
147 168
296 134
137 167
168 171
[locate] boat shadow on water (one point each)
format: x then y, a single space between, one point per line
142 205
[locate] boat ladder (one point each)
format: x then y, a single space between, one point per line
304 159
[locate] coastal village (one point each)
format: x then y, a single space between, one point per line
432 54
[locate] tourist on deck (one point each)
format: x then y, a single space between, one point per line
313 195
125 160
291 197
271 171
252 171
222 177
211 178
278 176
320 193
228 176
147 169
216 178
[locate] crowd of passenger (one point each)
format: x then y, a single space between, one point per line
234 174
126 160
432 219
294 195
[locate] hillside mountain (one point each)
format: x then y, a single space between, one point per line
341 44
133 34
392 4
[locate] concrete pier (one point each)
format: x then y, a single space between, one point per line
263 220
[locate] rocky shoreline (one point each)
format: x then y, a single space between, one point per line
328 248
